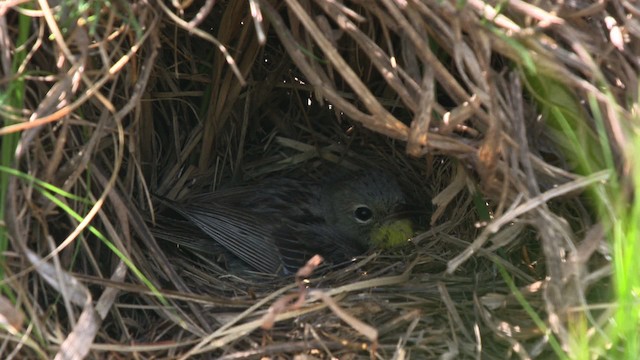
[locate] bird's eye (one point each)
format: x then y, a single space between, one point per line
363 214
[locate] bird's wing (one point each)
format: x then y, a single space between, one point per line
298 243
238 231
244 218
182 232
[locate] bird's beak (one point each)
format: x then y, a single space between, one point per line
419 214
411 211
392 233
400 226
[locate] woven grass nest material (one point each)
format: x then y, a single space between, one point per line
514 119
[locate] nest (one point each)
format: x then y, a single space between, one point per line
515 120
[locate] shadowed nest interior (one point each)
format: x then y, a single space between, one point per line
469 106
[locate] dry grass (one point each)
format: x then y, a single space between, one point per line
114 105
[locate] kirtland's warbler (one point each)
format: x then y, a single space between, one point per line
276 225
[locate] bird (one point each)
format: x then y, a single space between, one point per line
277 224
